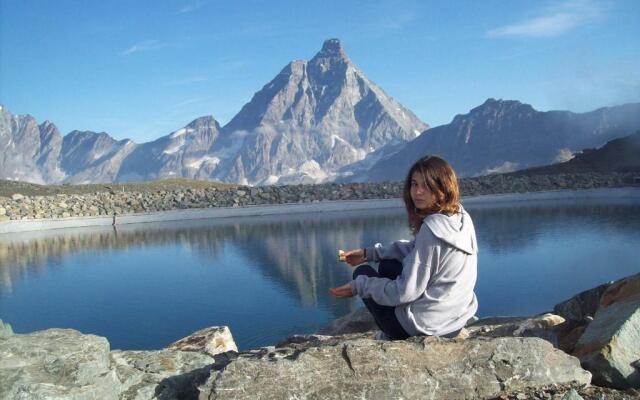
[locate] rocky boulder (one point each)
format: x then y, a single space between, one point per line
543 326
609 347
163 374
175 372
417 368
578 312
56 364
66 364
581 306
212 341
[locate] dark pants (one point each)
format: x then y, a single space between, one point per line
385 316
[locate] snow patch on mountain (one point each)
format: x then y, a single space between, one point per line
503 168
181 132
231 149
197 162
173 149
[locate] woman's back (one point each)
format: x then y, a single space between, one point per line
448 301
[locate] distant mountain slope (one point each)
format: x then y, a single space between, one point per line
618 155
29 151
183 153
503 136
89 157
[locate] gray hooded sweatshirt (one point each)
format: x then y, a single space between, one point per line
434 294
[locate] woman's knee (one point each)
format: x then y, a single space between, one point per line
365 269
390 268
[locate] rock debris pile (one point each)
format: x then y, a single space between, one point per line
108 203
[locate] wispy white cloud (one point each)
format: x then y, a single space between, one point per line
106 28
593 83
188 80
231 65
193 6
145 45
223 69
553 21
189 102
398 21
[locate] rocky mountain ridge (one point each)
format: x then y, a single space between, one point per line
503 136
29 151
317 121
313 118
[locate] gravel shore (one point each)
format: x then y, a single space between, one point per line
157 201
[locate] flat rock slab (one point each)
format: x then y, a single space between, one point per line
417 368
56 364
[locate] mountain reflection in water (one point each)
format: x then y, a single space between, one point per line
267 277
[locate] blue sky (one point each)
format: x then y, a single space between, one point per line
142 69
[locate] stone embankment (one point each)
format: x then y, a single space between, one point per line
593 339
108 203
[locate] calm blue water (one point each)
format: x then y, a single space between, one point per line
146 286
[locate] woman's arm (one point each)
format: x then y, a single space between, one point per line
414 279
397 250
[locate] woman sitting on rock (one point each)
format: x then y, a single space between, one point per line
423 286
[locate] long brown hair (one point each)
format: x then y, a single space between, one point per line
441 180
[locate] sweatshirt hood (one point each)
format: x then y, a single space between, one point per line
456 230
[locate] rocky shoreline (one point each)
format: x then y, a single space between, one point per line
586 349
131 202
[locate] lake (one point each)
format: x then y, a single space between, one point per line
144 286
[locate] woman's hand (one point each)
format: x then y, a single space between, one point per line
354 257
343 291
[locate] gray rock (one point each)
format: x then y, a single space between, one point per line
357 321
609 345
56 364
161 374
572 395
17 197
544 326
418 368
582 305
213 340
5 330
